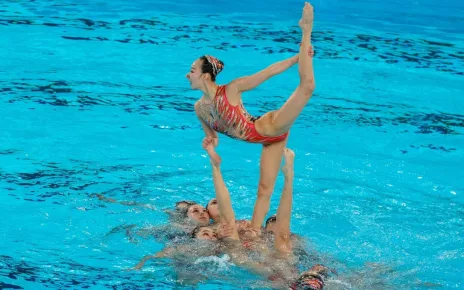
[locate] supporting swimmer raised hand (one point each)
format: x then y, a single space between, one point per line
209 145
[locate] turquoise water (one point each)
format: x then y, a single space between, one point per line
94 100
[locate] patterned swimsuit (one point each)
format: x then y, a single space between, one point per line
233 121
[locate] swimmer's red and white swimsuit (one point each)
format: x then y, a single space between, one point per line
233 121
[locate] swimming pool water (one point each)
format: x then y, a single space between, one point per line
94 100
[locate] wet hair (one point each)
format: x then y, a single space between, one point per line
196 230
207 67
207 204
271 219
182 211
187 202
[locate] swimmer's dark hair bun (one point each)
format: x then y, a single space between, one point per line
211 65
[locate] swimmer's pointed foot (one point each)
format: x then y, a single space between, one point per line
306 21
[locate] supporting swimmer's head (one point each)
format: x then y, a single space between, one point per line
314 279
270 223
198 214
204 233
183 205
213 210
203 69
181 208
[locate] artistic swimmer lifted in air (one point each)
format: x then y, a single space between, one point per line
220 109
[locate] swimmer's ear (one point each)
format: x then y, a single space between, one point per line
205 76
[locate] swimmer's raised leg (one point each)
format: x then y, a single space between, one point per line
279 122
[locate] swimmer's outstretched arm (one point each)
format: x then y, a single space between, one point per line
165 253
222 193
143 261
247 83
282 241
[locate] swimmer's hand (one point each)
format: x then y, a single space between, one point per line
142 263
208 145
247 230
162 254
224 230
215 141
288 168
296 58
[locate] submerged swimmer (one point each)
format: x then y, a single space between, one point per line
183 219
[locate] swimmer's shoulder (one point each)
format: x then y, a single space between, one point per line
233 95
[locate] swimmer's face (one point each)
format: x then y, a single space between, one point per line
213 210
195 76
198 213
206 233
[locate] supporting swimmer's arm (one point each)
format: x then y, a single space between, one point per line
250 82
222 193
208 131
223 197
